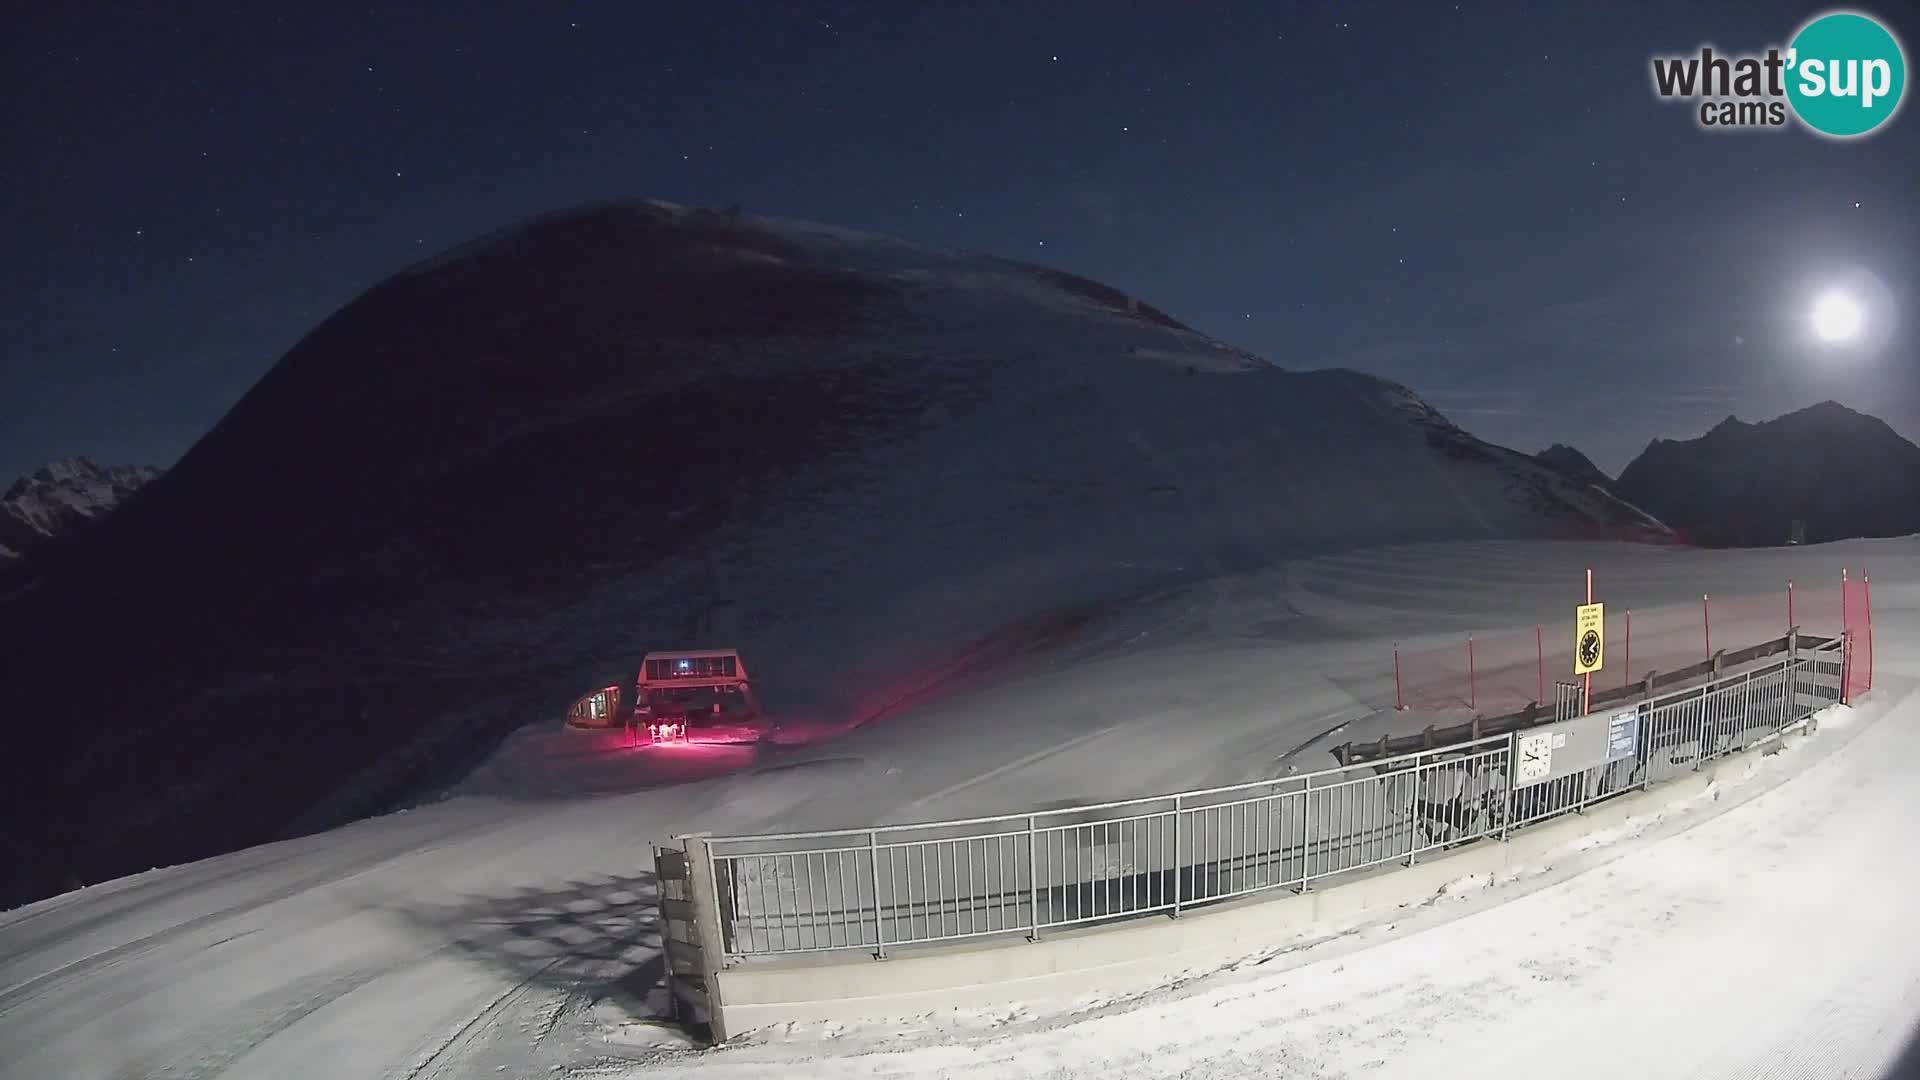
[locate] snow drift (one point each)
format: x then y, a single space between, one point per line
504 473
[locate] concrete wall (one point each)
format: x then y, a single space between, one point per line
1138 954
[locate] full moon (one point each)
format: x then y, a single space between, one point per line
1837 317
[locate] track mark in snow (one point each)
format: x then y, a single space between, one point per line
33 987
441 1056
211 1050
117 901
1018 763
1342 717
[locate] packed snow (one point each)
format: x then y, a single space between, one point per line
877 468
1764 931
509 930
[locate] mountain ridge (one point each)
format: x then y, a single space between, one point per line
60 496
505 472
1839 472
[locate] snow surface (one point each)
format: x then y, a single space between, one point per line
1772 939
509 930
877 468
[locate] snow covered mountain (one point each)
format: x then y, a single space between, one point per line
505 473
54 498
1843 473
1575 464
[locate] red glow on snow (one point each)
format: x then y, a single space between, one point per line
668 732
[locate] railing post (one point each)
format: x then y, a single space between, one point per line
873 866
1506 795
704 890
1643 743
1793 673
1846 667
1746 704
1178 866
1306 834
1033 884
1413 811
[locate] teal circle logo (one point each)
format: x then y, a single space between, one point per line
1846 74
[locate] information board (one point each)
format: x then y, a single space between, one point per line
1566 747
1623 734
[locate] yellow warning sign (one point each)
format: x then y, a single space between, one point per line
1589 638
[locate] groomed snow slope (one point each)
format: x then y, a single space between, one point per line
1774 939
494 481
508 931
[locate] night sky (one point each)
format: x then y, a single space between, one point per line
1482 201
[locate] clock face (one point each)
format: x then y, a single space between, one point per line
1535 758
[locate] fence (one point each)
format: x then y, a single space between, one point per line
1491 674
1857 604
873 889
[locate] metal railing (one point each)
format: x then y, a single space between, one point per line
873 889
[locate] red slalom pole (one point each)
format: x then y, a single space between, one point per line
1866 585
1399 699
1540 661
1706 621
1473 691
1626 669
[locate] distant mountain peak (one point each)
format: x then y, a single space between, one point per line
1730 426
60 495
1572 463
1840 472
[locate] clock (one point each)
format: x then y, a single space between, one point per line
1533 757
